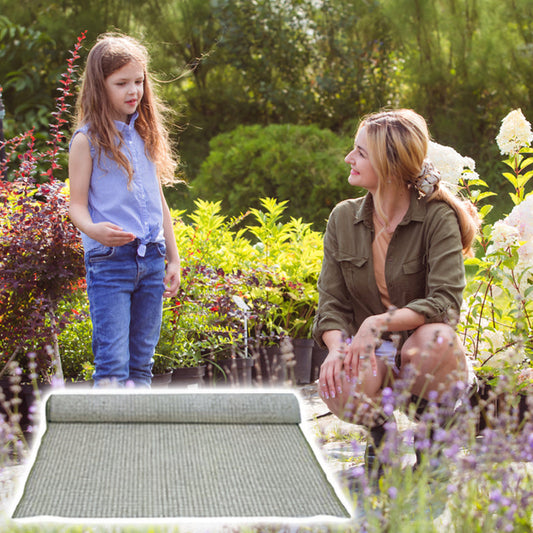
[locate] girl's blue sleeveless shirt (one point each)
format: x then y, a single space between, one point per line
137 208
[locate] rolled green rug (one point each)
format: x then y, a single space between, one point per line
176 455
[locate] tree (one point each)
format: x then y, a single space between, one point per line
466 64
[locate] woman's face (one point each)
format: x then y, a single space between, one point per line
362 174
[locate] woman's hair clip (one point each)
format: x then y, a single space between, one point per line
427 180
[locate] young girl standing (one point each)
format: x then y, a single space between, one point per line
119 159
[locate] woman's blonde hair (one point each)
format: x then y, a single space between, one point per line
397 146
110 53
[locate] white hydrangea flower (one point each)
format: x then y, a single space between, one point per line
451 164
515 133
503 235
521 219
493 350
517 228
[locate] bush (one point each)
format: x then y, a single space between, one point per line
301 164
41 257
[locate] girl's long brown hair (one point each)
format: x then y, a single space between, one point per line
398 142
110 53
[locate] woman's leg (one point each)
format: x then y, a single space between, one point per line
437 356
359 402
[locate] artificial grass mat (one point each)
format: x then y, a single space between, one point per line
182 454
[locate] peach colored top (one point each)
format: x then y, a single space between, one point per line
380 246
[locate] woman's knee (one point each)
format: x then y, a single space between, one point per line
355 406
436 351
428 340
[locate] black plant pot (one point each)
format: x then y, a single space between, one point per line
274 369
493 405
317 358
187 376
271 369
26 407
230 372
162 380
303 355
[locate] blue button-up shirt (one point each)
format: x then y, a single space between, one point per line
137 208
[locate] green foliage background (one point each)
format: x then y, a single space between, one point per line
463 64
301 163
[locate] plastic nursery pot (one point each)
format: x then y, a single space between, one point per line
271 369
187 376
303 355
231 372
276 367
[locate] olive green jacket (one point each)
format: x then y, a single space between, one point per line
424 266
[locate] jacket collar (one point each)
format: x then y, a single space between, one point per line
415 212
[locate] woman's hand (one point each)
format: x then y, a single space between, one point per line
330 381
361 347
343 363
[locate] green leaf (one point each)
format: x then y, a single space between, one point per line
478 181
526 162
515 198
485 210
469 261
511 178
484 195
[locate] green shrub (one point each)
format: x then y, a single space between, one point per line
301 164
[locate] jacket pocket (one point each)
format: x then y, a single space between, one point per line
413 267
413 280
349 260
355 272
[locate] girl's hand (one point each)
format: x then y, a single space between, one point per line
172 280
110 234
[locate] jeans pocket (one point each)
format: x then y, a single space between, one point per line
100 253
162 249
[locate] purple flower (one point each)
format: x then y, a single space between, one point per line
451 488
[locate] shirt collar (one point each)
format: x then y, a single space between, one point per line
416 211
122 126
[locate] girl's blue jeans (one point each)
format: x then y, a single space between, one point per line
126 300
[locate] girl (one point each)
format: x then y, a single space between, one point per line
393 267
119 158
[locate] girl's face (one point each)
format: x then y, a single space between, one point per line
362 174
125 88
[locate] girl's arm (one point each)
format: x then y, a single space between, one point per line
80 168
173 271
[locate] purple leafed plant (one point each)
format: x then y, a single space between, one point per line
41 258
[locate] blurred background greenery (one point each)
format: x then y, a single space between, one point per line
316 65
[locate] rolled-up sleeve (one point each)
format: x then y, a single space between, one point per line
335 309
